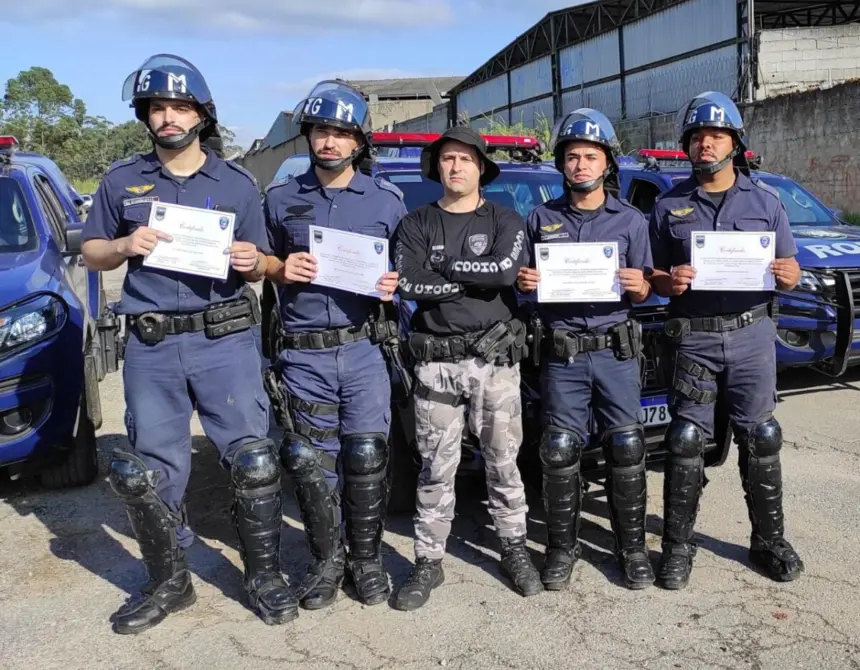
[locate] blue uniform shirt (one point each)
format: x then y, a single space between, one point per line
748 206
368 205
123 203
556 221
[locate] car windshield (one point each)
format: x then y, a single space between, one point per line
802 208
522 190
16 226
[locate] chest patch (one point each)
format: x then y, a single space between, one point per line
680 213
139 201
551 228
140 190
478 243
554 236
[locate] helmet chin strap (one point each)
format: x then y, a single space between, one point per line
335 164
590 185
711 167
176 142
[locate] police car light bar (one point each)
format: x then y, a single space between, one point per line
674 154
494 142
8 141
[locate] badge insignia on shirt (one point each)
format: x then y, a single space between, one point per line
140 201
551 228
223 222
680 213
765 241
700 241
554 236
377 247
299 212
140 190
318 236
608 251
478 244
544 254
160 212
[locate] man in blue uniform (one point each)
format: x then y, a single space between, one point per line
190 345
332 368
723 340
591 352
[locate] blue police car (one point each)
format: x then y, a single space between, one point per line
58 338
817 319
524 183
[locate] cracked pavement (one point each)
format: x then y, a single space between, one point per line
68 561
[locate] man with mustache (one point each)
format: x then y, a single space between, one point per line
332 367
190 345
590 355
723 341
458 259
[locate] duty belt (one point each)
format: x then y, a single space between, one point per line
677 328
377 331
502 343
624 339
217 320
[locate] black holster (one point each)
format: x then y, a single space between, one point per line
278 396
535 338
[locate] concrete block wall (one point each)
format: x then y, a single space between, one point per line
814 138
797 59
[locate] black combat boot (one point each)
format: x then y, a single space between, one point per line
761 477
562 497
682 490
426 575
517 565
626 491
257 512
365 461
319 516
170 588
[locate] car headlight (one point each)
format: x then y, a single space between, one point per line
30 322
815 283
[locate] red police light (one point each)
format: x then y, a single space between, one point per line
494 142
8 141
674 154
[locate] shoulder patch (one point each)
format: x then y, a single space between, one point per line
388 186
238 168
279 182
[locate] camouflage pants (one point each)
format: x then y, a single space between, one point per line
491 393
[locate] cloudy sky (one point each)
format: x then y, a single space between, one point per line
258 56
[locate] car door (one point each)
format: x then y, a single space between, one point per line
642 194
75 272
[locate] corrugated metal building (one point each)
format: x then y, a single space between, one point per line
640 59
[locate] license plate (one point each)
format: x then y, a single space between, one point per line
654 412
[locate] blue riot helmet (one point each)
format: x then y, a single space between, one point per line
336 103
170 77
712 110
587 125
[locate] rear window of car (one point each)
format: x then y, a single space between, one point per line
16 225
519 190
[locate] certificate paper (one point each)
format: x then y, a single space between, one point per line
732 261
349 261
579 272
200 240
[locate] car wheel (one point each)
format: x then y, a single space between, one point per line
402 471
81 466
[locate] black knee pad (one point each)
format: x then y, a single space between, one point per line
765 439
255 466
128 477
364 454
298 456
626 445
560 448
685 439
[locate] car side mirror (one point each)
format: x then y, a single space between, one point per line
73 241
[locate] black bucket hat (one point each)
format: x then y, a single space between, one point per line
465 135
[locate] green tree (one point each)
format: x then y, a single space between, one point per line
542 131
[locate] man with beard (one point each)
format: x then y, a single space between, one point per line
190 346
332 367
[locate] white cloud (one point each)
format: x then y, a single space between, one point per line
251 16
294 91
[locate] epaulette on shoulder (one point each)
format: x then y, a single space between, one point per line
238 168
388 186
280 182
124 162
764 186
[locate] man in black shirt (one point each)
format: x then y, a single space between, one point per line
458 259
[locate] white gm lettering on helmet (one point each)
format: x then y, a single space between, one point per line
592 128
176 82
